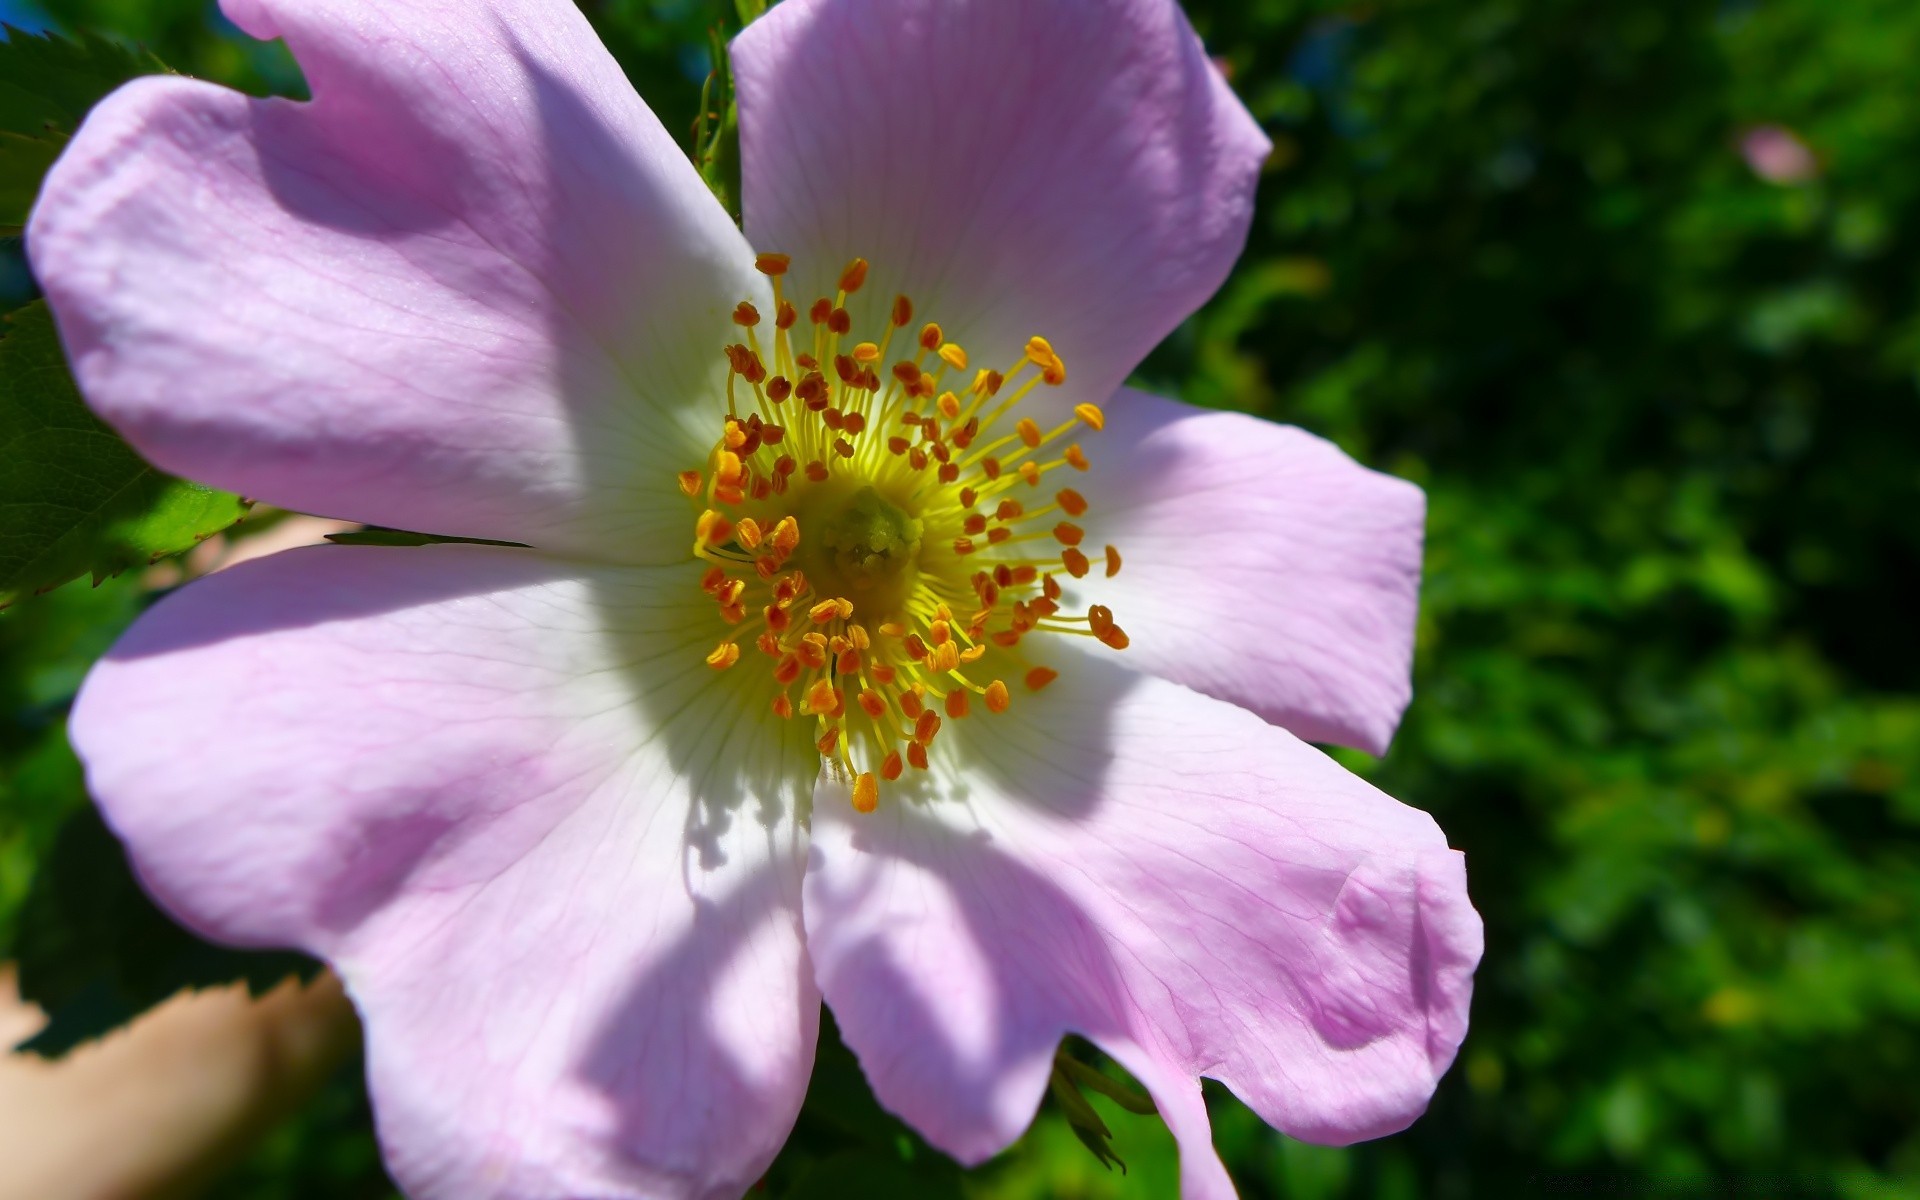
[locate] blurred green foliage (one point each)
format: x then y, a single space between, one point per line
1668 693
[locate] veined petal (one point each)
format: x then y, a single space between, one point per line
1071 168
469 289
1192 889
553 855
1262 566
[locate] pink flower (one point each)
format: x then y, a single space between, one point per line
542 808
1777 155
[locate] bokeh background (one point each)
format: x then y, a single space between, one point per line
1632 288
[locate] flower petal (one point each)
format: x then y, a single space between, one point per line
468 289
1261 565
1192 889
1072 168
554 859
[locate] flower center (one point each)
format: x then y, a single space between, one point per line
888 543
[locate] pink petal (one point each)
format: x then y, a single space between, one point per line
1072 168
553 860
1260 565
1190 888
469 289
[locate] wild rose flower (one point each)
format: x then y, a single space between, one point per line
873 643
1777 155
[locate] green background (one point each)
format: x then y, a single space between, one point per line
1668 684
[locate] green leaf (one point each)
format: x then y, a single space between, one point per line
94 952
23 163
864 1174
716 131
74 498
47 84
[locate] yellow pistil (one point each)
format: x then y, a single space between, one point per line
888 526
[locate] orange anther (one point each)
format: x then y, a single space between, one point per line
926 728
825 611
786 535
843 447
872 703
785 316
957 703
902 312
853 276
787 671
745 314
866 793
749 532
915 648
838 321
778 389
1040 677
817 471
954 356
944 658
777 618
883 674
1028 431
857 634
866 352
1039 351
773 264
1071 502
910 705
690 482
973 654
891 766
990 467
782 707
941 632
1050 588
1076 457
847 662
724 655
930 337
1091 414
892 628
1076 562
1030 471
712 528
917 755
829 740
713 580
963 546
976 523
819 312
997 698
822 697
968 497
1069 534
1113 562
948 404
